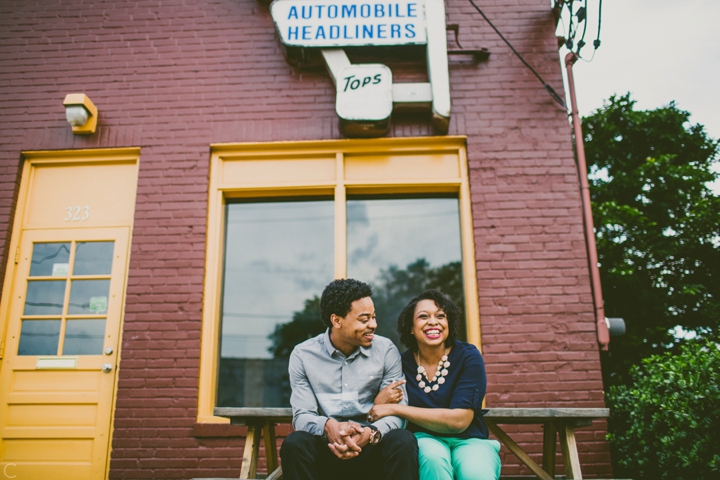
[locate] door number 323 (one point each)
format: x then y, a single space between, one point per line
77 213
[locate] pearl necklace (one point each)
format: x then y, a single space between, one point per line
443 364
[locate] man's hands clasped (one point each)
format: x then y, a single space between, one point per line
346 439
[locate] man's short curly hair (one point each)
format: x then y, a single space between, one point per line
339 295
405 320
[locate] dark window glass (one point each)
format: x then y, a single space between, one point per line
278 258
39 337
45 298
84 337
89 297
50 259
402 247
93 258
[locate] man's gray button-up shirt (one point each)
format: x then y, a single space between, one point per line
327 384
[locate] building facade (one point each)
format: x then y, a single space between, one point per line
166 263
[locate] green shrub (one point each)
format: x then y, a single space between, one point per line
666 424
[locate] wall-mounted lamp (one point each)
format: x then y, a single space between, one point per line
81 113
616 326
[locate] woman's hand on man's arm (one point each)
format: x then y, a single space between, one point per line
390 394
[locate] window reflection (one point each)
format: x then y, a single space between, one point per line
93 258
50 259
402 247
45 298
277 256
89 297
39 337
84 337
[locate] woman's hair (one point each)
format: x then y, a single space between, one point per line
338 296
443 302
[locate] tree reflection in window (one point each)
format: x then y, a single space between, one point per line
279 257
403 246
391 292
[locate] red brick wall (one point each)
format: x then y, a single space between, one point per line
173 77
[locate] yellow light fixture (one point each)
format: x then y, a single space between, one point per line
81 113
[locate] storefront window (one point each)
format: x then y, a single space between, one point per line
279 257
286 218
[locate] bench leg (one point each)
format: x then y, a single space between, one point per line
251 452
571 458
271 456
519 452
276 475
549 445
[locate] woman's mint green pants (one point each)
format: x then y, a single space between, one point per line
443 458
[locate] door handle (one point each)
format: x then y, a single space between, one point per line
106 367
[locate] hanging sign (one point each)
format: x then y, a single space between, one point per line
364 93
347 23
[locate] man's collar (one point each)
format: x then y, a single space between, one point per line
330 348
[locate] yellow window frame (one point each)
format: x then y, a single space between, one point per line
334 168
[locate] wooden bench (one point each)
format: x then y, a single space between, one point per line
555 421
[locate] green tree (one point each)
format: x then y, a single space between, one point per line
657 227
666 423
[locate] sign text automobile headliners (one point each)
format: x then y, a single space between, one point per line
322 23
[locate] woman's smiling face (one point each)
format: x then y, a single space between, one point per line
430 324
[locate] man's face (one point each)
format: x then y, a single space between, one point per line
357 328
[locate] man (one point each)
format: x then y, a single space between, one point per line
335 378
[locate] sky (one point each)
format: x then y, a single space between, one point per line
659 51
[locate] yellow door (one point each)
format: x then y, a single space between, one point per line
60 363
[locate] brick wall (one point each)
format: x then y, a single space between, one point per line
173 77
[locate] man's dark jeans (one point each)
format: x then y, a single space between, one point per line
307 457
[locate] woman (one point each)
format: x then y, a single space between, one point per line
446 386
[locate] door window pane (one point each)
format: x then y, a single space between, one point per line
93 258
402 247
50 259
89 297
84 337
39 337
45 298
278 258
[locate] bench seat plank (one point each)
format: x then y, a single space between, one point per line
542 415
500 415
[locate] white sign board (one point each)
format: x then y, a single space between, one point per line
348 23
364 93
